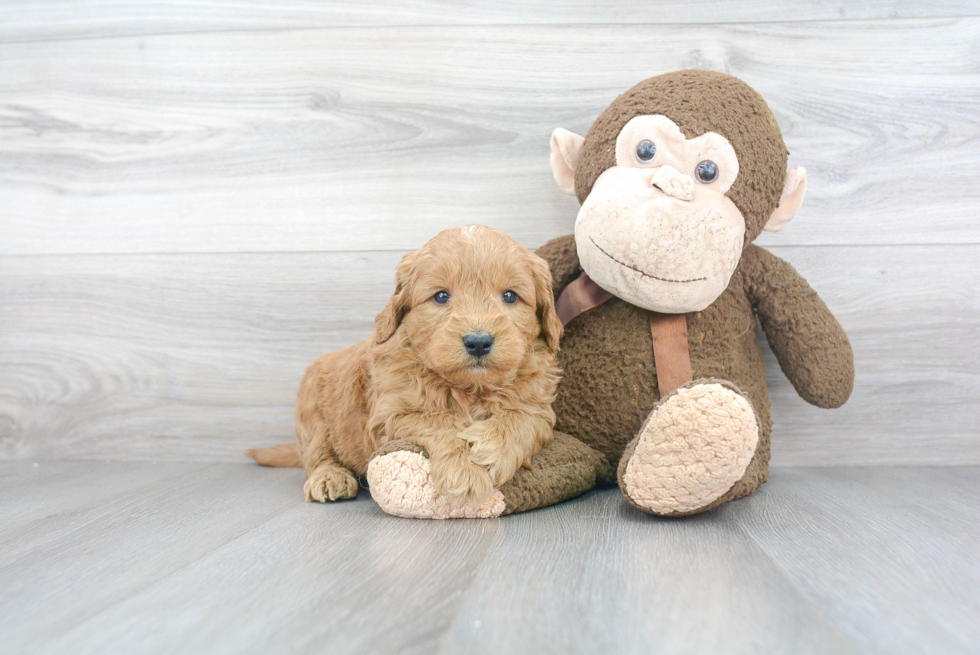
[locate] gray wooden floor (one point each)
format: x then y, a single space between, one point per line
131 557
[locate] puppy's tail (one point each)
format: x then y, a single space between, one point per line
285 455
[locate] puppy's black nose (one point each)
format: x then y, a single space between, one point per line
478 344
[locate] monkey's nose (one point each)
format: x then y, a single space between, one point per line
478 344
673 183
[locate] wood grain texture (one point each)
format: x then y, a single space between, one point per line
622 582
207 345
376 138
226 558
33 20
913 528
199 356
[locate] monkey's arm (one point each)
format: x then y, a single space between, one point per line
808 342
562 258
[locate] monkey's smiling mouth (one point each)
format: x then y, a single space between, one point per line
643 273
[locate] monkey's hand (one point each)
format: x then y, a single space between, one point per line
400 476
809 343
453 474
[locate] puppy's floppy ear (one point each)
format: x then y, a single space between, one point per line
391 316
545 302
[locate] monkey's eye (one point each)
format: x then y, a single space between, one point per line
646 150
510 297
441 297
707 171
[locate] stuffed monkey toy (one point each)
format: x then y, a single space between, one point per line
661 291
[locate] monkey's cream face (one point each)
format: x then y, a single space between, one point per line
657 229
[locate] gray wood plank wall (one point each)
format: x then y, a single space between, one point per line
196 200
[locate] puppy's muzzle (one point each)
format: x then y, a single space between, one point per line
478 344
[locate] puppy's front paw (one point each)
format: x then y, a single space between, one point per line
487 449
330 482
461 480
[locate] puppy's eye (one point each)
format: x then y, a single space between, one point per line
707 171
646 150
441 297
510 297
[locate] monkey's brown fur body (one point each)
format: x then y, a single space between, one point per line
609 384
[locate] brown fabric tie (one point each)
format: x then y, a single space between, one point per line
669 331
670 351
581 295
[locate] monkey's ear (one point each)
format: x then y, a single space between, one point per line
565 150
391 316
544 294
789 203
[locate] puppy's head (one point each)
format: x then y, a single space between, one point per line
474 304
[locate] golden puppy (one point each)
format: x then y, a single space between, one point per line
462 363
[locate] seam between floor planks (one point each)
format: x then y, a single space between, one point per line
811 602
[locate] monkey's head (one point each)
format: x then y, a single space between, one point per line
675 178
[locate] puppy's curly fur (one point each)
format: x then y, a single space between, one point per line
478 417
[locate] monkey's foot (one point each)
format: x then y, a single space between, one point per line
401 483
695 445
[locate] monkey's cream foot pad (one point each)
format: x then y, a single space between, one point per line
694 446
401 483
